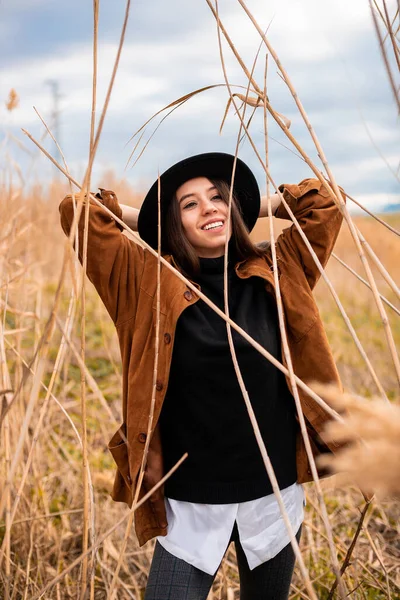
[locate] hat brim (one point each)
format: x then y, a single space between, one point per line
213 165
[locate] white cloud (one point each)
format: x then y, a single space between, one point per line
302 30
352 174
374 202
73 72
357 134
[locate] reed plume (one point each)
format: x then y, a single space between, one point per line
371 434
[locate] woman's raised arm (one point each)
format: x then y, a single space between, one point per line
130 216
319 218
275 202
114 263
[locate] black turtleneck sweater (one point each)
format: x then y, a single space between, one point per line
204 413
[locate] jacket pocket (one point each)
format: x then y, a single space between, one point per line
119 449
153 474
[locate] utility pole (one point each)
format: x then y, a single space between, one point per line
55 115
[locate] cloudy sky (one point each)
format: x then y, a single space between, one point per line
328 48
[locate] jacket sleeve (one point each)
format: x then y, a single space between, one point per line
114 263
319 218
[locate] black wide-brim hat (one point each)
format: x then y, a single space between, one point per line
213 165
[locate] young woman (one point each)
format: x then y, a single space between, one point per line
221 492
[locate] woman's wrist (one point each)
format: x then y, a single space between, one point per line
130 216
275 202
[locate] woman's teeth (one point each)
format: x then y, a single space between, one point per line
213 225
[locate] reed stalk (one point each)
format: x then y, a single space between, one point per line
385 58
88 376
323 273
294 389
28 562
53 397
337 197
389 28
47 516
6 385
334 193
180 101
380 560
42 414
7 538
260 442
150 421
389 280
350 550
385 300
87 510
371 214
35 438
287 355
87 507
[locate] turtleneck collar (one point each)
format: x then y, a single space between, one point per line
212 265
216 265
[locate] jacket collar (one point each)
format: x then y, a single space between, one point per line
251 267
255 267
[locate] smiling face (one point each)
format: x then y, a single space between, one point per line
204 216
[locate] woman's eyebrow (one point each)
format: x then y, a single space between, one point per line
189 195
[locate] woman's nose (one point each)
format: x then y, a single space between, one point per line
209 207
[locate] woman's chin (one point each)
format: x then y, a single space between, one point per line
215 246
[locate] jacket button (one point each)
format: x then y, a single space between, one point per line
142 437
167 338
159 385
188 295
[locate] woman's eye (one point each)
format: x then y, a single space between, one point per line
217 197
189 205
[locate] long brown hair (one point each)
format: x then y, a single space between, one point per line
182 250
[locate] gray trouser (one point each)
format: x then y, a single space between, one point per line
172 578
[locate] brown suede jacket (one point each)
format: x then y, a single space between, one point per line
124 275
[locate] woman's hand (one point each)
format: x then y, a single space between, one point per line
129 214
275 202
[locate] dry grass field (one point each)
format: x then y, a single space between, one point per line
41 432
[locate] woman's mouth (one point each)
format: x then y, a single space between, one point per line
215 225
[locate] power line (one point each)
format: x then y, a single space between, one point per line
55 114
